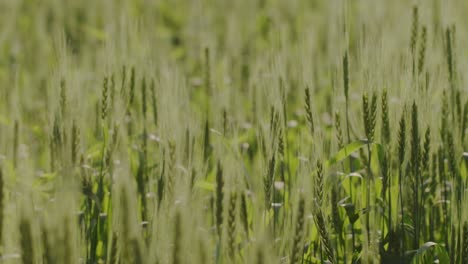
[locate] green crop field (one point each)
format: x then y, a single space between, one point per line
234 131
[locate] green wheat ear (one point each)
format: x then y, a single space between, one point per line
75 142
131 98
48 254
154 103
206 142
415 140
385 130
449 55
26 241
414 29
232 225
143 98
15 143
113 252
369 116
260 255
112 92
225 122
464 122
136 250
268 181
219 198
346 76
319 184
67 238
299 233
465 243
324 235
308 109
426 150
422 49
207 72
63 98
339 132
176 252
2 206
105 91
244 215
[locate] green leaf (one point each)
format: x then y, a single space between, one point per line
205 185
423 254
346 151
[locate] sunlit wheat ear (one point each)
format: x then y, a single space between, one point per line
422 50
232 225
339 132
308 109
177 250
219 198
105 91
296 254
26 241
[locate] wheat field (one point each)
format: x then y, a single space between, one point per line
246 131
